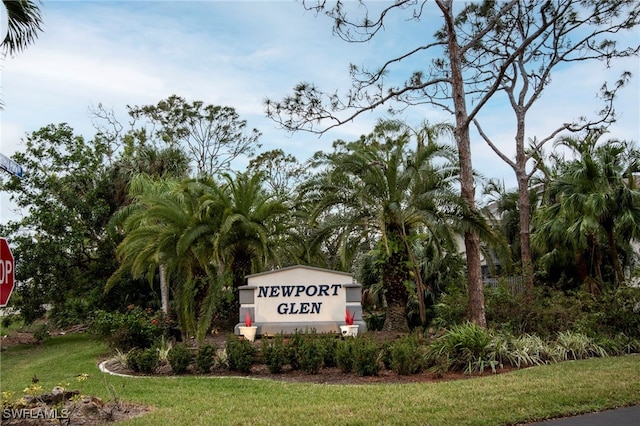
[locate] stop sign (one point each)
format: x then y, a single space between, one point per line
7 274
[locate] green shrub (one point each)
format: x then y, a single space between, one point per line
74 310
375 321
240 354
451 308
311 354
614 312
385 354
135 328
329 344
366 354
179 358
274 353
205 358
506 311
407 356
294 345
41 333
143 360
344 355
8 320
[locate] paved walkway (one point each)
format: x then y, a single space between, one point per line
627 416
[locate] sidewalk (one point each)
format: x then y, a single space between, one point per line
627 416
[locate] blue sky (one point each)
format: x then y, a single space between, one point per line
237 53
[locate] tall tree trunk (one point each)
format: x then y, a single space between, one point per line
613 251
164 289
596 261
394 275
240 267
471 241
524 213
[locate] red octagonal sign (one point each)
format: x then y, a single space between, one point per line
7 275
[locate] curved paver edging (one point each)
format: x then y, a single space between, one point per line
103 368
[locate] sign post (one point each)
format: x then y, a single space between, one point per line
7 274
10 166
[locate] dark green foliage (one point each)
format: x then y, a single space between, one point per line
143 360
204 358
375 321
385 354
614 312
311 354
274 353
344 355
67 198
240 354
42 333
8 320
359 355
451 308
179 358
366 354
135 328
619 344
329 344
294 345
407 355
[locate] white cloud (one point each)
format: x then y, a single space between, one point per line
236 54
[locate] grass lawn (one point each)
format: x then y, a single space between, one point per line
517 397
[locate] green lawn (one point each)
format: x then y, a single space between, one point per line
521 396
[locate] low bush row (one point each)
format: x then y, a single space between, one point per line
461 348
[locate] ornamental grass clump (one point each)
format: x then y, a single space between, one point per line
571 345
465 347
528 350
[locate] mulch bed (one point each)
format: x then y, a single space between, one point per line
329 376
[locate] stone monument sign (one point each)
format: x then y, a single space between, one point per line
301 298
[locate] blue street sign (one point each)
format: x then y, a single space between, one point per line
10 166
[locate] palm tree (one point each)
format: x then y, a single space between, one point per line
595 195
248 218
140 252
161 233
378 193
146 166
23 25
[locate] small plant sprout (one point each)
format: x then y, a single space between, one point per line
348 318
33 390
247 320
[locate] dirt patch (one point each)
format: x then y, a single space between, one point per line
17 338
68 408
